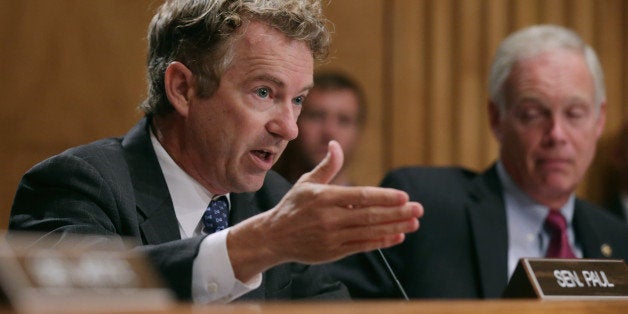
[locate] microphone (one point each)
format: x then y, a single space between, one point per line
392 275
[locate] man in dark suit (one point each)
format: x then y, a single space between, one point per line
226 84
547 110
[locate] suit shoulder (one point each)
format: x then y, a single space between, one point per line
429 175
599 224
98 158
103 147
602 216
431 183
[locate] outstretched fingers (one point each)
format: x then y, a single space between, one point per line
375 232
357 197
379 215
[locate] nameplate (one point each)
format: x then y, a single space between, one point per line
569 279
80 273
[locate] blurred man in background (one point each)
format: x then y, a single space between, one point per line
333 110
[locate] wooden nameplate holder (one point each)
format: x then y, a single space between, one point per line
82 273
565 279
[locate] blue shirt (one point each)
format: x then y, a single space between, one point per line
525 218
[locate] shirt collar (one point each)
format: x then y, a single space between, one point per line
189 198
525 218
515 196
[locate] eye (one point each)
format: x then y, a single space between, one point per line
577 112
529 114
263 92
299 100
346 121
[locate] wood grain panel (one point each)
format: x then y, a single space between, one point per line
441 126
73 71
553 11
524 12
407 102
581 18
610 16
469 94
358 50
607 15
497 27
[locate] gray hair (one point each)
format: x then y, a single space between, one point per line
197 33
532 41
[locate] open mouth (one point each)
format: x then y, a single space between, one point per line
263 155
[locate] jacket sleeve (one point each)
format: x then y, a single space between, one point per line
70 194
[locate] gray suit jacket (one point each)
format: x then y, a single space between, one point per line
461 247
115 187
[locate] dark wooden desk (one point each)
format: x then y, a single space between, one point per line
421 306
401 307
397 307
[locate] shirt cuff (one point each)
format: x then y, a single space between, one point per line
213 280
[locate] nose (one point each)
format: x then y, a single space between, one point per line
557 131
283 124
330 127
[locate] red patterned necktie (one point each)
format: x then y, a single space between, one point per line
559 246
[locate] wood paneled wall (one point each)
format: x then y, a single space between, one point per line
72 71
430 108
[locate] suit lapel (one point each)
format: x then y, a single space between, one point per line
586 235
487 218
243 206
158 222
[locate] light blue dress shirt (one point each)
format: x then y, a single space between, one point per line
525 218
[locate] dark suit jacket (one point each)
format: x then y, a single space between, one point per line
461 247
115 187
616 207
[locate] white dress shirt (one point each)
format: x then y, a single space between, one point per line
213 279
525 218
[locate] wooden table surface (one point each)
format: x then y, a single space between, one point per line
392 306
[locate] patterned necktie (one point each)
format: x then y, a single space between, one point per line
559 246
216 216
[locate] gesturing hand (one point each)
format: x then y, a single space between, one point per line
316 222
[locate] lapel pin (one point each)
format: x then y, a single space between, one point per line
606 250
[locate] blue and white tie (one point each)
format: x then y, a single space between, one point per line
216 216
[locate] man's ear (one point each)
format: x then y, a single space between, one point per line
601 120
494 116
178 81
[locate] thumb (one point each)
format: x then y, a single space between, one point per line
327 169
